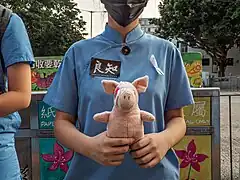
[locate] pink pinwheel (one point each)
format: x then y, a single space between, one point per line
60 158
190 157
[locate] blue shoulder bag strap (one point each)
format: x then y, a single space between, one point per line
5 15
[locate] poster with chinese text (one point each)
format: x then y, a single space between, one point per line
44 71
193 65
194 155
46 116
199 114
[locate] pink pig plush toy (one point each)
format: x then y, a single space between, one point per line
125 119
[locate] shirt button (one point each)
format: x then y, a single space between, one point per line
126 50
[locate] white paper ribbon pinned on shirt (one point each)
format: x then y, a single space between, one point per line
155 65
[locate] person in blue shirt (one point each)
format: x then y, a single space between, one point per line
122 52
17 57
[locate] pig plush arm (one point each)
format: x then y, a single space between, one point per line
102 117
146 116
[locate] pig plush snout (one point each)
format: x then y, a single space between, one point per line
126 100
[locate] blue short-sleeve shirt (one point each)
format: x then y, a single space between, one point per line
77 90
15 48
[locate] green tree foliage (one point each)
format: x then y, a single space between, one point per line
211 25
53 25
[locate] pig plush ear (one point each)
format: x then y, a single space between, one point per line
109 86
141 84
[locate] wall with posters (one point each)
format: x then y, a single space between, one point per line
195 151
54 158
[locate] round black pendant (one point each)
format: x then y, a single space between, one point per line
126 50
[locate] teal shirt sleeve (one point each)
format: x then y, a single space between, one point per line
15 45
63 92
179 91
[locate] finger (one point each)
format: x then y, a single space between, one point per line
108 151
112 160
119 150
145 159
140 144
141 152
151 164
119 141
116 157
115 163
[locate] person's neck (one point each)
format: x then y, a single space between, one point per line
122 30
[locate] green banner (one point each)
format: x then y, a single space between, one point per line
54 159
46 116
193 65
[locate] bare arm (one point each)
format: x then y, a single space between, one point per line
19 84
66 132
175 126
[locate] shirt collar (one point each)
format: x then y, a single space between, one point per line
113 35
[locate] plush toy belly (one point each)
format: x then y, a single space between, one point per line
125 126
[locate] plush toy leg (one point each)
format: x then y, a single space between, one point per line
146 116
102 117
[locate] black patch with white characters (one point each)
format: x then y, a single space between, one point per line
105 68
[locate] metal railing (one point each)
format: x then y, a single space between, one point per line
232 101
228 83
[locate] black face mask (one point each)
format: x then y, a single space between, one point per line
124 12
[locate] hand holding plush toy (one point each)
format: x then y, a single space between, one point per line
126 119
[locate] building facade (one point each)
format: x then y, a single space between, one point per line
146 26
233 68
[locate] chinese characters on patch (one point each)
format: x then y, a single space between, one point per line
109 69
